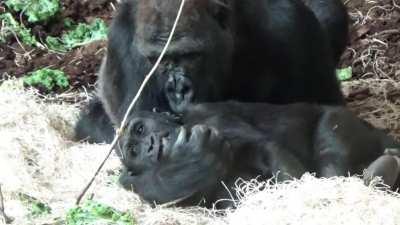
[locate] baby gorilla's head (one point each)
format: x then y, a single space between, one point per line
165 159
147 139
151 139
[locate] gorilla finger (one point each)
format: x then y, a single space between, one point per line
200 133
183 136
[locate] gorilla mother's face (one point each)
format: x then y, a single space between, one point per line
198 59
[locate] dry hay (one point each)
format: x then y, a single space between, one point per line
38 158
315 201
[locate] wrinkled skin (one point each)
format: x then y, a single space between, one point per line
165 159
275 51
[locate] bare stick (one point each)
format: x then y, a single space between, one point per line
6 218
135 99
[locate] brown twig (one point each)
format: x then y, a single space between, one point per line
120 130
6 218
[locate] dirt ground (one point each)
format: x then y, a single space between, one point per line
80 64
374 54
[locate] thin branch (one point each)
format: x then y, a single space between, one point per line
6 218
133 103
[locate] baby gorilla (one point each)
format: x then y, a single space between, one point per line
191 157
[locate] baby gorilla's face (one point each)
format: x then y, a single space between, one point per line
152 139
165 160
147 140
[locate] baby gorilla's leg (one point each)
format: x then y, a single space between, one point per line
386 166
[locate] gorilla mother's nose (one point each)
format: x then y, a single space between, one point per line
179 91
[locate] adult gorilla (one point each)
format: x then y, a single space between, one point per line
166 159
253 51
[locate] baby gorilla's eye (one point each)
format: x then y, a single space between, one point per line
131 149
139 129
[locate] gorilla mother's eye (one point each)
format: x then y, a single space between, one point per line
138 128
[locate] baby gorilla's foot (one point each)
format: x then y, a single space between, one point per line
386 166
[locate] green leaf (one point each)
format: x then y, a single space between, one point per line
47 78
35 10
12 27
36 208
69 23
93 213
344 73
85 33
55 44
82 34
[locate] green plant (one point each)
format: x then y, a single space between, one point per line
94 213
36 208
81 34
344 74
55 44
35 10
47 79
69 23
12 27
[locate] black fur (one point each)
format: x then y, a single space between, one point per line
332 15
165 160
94 114
253 51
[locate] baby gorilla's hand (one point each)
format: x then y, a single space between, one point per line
202 146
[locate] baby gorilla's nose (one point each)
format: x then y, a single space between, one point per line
157 143
128 150
151 145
